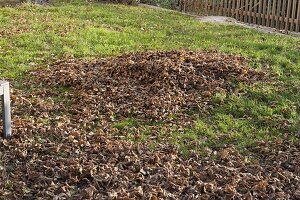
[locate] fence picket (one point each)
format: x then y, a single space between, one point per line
268 13
225 7
241 10
250 20
288 13
283 18
220 8
253 11
273 22
278 15
237 14
229 7
246 11
232 8
298 18
264 17
293 15
259 19
217 7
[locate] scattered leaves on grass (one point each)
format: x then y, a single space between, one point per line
64 147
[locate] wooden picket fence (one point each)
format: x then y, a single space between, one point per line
282 15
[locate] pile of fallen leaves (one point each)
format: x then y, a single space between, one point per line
63 148
150 84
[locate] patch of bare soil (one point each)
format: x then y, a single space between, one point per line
64 149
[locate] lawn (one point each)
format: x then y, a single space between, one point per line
33 37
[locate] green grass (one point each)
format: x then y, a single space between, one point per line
34 36
128 122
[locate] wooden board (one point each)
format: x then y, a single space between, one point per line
288 13
298 18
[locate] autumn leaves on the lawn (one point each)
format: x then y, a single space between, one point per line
149 85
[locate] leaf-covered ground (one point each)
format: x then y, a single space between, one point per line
96 166
66 144
243 140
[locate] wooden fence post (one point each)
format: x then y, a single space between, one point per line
6 116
